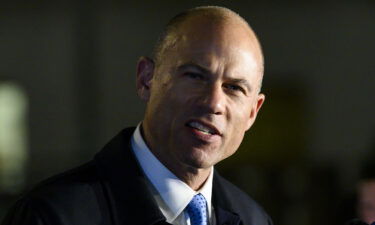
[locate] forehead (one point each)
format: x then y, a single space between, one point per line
217 54
228 42
231 61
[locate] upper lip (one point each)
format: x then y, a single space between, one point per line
206 124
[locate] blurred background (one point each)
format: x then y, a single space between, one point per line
67 85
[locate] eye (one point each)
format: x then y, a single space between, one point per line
234 88
196 76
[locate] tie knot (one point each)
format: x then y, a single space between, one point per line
197 210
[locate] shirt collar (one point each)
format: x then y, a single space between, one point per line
175 193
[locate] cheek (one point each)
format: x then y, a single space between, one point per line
161 102
239 115
234 141
165 92
238 119
170 103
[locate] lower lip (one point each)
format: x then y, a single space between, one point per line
202 136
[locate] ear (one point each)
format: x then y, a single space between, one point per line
145 74
255 109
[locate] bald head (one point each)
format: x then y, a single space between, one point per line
217 23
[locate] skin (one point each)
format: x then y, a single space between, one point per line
366 201
211 76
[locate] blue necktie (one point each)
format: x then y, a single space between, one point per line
197 210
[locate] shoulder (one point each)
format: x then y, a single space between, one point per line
83 195
69 184
239 202
58 198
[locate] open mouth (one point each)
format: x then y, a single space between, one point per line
204 128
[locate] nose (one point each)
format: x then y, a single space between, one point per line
213 100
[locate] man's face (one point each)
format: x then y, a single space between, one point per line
202 97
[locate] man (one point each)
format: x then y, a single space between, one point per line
366 201
202 90
365 204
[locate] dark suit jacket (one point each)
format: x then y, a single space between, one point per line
112 190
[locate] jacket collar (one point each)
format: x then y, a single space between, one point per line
130 198
224 211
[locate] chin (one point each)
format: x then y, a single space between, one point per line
199 160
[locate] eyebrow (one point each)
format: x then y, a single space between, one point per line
206 71
193 65
241 81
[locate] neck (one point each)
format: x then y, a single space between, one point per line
192 176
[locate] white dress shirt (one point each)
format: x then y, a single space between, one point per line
171 194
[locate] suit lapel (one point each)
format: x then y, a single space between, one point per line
225 217
222 203
129 196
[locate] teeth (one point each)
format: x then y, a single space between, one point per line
200 127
